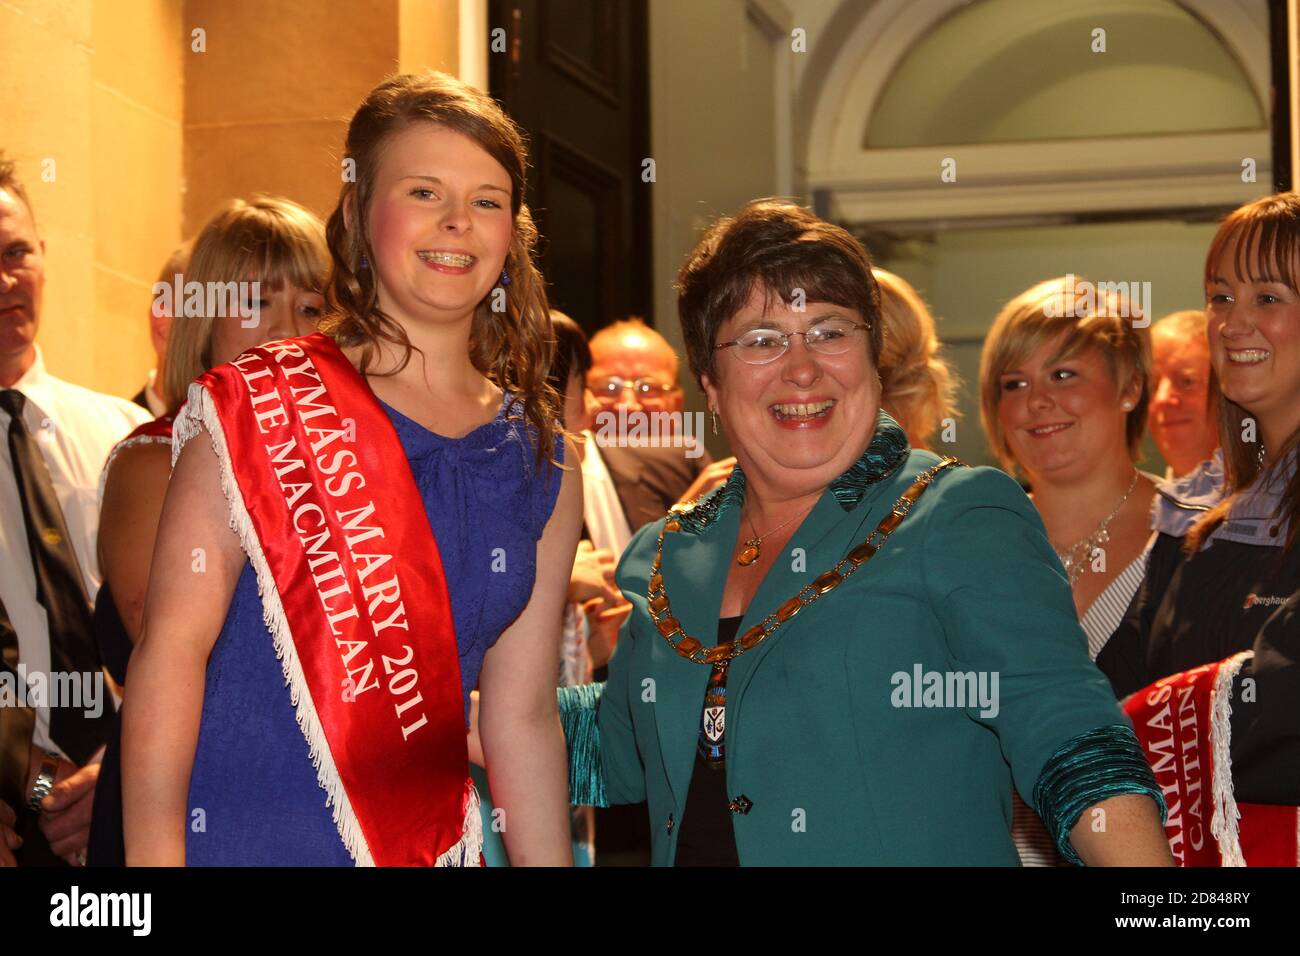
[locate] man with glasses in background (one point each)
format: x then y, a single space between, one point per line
634 368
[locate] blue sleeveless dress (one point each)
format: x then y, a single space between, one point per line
253 780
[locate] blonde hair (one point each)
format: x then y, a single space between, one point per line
1040 314
920 388
512 348
1187 324
267 239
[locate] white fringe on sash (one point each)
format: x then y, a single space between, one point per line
200 414
468 851
1223 824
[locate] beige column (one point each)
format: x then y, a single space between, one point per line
268 98
93 110
132 120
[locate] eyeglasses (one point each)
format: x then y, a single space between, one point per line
760 346
611 388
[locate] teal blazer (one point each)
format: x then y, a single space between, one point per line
821 740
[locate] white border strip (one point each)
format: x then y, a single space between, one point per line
1223 825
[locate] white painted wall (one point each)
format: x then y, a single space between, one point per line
967 275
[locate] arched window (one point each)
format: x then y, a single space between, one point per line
1039 108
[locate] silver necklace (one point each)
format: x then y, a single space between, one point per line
1075 558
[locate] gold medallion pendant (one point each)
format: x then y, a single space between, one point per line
749 555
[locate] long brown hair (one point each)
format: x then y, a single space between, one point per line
1267 232
512 348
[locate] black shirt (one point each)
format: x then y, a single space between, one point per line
706 837
1200 609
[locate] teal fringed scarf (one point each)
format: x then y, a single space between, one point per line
579 707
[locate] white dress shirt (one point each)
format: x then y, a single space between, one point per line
608 527
75 429
601 509
157 407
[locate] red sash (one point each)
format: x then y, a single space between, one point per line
1183 724
354 594
160 429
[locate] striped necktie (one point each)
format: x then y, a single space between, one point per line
59 589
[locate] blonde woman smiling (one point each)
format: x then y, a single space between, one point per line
1064 400
1064 388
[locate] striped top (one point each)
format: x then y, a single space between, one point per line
1105 613
1034 844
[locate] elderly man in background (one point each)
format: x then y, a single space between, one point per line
635 369
58 436
1180 415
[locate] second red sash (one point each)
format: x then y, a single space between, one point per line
1182 722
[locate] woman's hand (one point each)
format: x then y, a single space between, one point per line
603 623
593 575
1122 831
196 565
708 479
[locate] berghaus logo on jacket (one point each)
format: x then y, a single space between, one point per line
1259 600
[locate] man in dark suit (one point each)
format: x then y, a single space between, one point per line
649 481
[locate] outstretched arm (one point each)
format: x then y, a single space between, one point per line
519 724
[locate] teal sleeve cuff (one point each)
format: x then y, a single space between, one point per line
1088 769
578 709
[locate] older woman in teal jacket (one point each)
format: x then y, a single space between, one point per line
851 651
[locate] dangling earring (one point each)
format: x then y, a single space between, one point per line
365 262
505 277
715 420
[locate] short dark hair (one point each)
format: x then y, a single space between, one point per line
571 352
10 183
778 246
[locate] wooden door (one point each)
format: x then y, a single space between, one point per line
574 75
